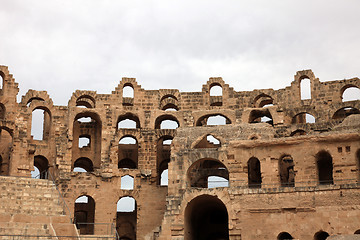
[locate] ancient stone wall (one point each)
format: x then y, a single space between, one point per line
279 160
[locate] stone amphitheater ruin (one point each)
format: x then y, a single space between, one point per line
164 164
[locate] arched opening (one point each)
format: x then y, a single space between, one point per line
303 118
5 151
344 112
82 164
128 121
200 171
2 111
324 167
42 165
286 170
128 91
213 120
127 182
216 90
305 88
298 132
1 80
34 99
126 217
321 235
163 159
40 124
254 173
169 103
208 142
166 122
84 141
128 152
284 236
357 231
87 131
85 101
261 116
351 93
263 100
216 182
84 214
206 218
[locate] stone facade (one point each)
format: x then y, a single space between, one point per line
278 166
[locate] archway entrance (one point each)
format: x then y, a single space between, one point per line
206 218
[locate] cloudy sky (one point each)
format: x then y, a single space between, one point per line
61 46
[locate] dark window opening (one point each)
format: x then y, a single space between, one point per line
345 112
262 101
84 214
324 167
287 173
200 172
127 164
128 152
254 173
213 120
83 164
261 116
85 102
321 235
284 236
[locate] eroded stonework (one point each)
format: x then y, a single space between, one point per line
262 164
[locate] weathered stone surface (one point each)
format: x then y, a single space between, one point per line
280 175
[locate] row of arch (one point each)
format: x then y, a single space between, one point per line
208 173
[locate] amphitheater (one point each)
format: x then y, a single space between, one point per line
163 164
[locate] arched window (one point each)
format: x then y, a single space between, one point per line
128 152
128 91
204 170
84 141
40 124
126 217
206 217
284 236
213 120
164 178
127 182
351 94
258 116
128 121
84 214
216 90
85 101
41 166
82 164
305 88
254 173
324 167
163 158
303 118
169 103
286 170
357 231
166 122
321 235
263 100
344 112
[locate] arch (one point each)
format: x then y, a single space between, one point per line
164 178
321 235
40 123
206 218
254 173
127 182
264 116
305 87
86 101
84 214
199 172
324 165
357 231
128 90
42 164
345 112
30 100
166 122
128 120
126 217
128 152
298 132
286 171
219 118
2 111
263 100
350 93
284 236
215 90
84 163
163 152
303 117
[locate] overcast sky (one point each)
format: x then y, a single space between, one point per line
61 46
